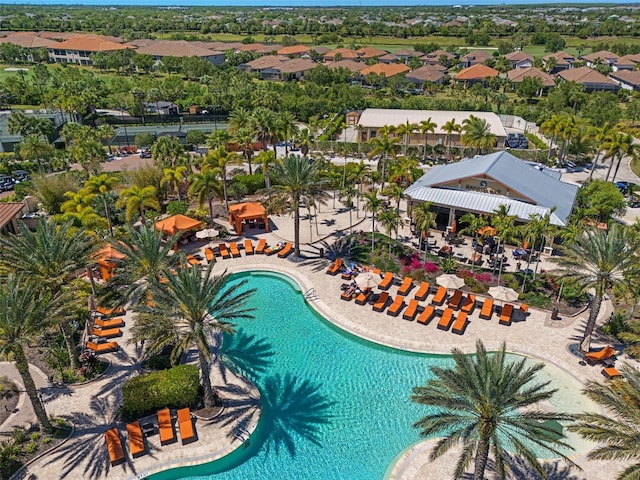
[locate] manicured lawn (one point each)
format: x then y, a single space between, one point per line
635 166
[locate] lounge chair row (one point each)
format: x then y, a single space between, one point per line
104 327
137 444
233 251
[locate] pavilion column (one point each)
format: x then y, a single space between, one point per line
452 216
266 222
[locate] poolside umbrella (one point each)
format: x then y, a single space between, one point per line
449 280
585 345
367 281
207 233
503 293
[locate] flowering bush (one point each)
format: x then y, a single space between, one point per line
483 277
430 267
465 274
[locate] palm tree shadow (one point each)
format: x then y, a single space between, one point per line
341 248
519 468
244 353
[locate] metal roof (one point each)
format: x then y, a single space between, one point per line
522 178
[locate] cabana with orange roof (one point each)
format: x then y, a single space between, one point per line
105 260
177 223
247 211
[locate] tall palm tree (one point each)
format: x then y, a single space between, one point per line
304 139
26 310
286 127
600 136
295 177
618 146
174 177
190 310
137 200
405 130
476 133
484 402
384 146
102 186
403 171
239 118
600 259
424 219
359 175
266 158
51 255
167 150
348 193
373 204
106 133
34 148
473 224
506 230
426 127
391 221
206 186
449 127
220 158
617 431
244 138
394 192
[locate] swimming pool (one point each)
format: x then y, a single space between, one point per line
334 406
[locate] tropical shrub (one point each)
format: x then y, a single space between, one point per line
174 388
176 207
252 183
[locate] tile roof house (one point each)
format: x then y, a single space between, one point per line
592 80
562 61
350 65
293 50
519 59
433 58
278 67
388 58
626 62
404 54
341 53
160 49
628 80
603 57
426 74
386 69
517 75
477 73
296 68
78 49
474 58
366 53
321 50
29 40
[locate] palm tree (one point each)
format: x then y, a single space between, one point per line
406 130
600 259
34 148
51 256
449 127
426 127
25 312
484 402
424 219
239 118
506 230
219 158
600 136
394 192
473 224
174 177
304 139
373 204
385 146
476 133
616 432
167 150
102 186
295 177
188 312
266 158
619 145
359 174
207 186
138 200
106 133
244 138
391 221
348 193
286 127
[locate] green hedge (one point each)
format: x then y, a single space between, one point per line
252 183
173 388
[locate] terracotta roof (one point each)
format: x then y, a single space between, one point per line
518 56
585 75
428 73
268 61
561 57
85 43
404 52
603 55
344 52
174 48
297 65
370 52
247 210
267 49
630 77
321 50
478 56
10 210
630 60
389 56
386 69
476 72
293 50
177 223
350 65
29 40
250 47
436 54
518 74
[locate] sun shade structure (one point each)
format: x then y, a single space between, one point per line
105 260
247 211
177 223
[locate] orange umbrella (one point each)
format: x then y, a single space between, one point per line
488 231
454 226
525 244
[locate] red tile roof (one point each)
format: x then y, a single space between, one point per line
518 74
350 65
476 72
86 43
344 53
585 75
293 50
386 69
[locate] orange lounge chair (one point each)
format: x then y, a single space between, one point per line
136 439
363 297
102 347
505 316
396 307
106 332
208 254
599 356
187 433
386 281
422 292
487 309
446 320
469 304
248 247
460 325
427 315
110 312
335 267
233 248
346 295
407 284
165 427
192 260
440 296
222 250
611 373
114 446
455 300
111 323
381 302
262 244
411 311
285 251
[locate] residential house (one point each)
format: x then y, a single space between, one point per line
558 61
404 54
519 59
293 51
367 53
438 57
78 49
340 54
592 80
351 65
517 75
160 49
603 57
10 213
386 69
296 68
267 67
474 58
30 41
626 62
162 108
478 73
628 80
351 118
426 74
388 58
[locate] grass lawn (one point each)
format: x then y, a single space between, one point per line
635 166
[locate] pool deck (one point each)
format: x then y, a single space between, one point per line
92 408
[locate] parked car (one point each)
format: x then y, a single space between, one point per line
21 175
145 153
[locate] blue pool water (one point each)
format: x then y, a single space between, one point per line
334 406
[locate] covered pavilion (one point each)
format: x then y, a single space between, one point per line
250 211
105 260
177 223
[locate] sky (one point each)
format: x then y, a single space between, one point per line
296 3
